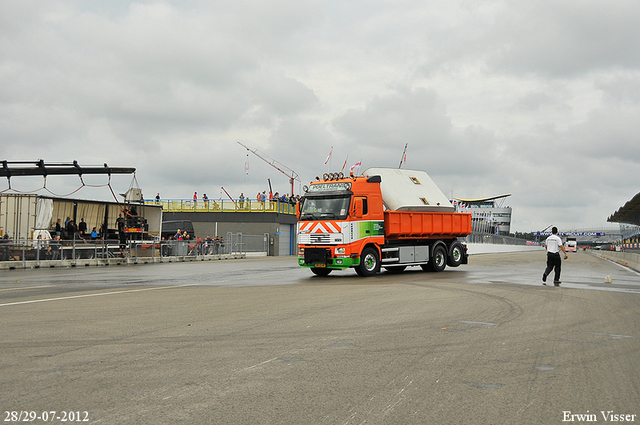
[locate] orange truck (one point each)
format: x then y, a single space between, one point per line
385 218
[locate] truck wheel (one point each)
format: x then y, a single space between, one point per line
320 272
456 254
369 263
438 258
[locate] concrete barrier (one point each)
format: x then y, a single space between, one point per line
482 248
628 259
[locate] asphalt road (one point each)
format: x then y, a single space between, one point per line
261 341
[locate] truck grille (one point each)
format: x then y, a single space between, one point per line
314 238
316 255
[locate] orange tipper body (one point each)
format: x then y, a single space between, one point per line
346 222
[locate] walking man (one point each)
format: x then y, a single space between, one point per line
553 244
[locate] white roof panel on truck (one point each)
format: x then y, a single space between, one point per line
409 190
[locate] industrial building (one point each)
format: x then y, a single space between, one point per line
488 215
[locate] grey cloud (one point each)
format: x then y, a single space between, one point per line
491 97
621 88
551 38
554 38
608 133
405 116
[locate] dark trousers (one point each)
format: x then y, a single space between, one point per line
553 261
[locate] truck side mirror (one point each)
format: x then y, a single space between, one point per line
358 208
299 207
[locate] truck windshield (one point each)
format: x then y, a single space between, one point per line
325 207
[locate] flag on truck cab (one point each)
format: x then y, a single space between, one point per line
326 161
357 164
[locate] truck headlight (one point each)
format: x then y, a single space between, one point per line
341 250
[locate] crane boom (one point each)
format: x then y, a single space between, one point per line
292 175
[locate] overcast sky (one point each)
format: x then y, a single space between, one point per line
537 99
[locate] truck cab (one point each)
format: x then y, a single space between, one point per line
571 245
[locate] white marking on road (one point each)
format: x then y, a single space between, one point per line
25 287
93 295
478 323
614 336
257 365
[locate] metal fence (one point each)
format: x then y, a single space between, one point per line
52 250
248 243
37 253
490 238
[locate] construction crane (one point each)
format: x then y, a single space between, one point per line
292 175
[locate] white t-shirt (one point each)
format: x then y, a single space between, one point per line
553 243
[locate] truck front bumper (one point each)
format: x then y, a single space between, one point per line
331 263
323 257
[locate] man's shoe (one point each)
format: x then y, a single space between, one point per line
557 282
544 278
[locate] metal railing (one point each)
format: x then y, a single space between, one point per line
240 243
41 253
223 205
57 250
490 238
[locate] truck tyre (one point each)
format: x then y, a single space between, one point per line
369 263
438 259
456 254
320 272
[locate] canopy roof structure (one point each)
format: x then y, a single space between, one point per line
629 213
39 168
483 199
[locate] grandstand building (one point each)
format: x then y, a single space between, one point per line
488 215
629 215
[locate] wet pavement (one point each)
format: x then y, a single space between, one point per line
263 341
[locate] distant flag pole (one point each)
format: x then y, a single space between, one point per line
246 165
345 163
403 161
328 160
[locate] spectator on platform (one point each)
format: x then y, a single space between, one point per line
82 227
122 236
55 248
71 229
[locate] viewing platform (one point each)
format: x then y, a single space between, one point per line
224 205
